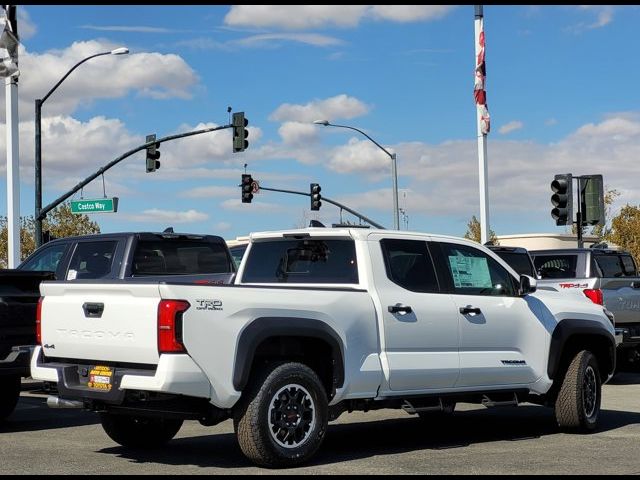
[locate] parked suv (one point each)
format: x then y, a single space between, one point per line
607 276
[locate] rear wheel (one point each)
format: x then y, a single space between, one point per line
578 403
9 394
139 432
282 418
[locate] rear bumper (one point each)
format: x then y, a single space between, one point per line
174 374
17 362
627 336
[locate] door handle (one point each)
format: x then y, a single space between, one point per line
93 310
399 308
635 284
466 310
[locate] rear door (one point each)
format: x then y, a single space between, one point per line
421 335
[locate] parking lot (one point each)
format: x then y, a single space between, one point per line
508 440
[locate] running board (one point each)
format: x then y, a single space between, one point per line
508 402
412 410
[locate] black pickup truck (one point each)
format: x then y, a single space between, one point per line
203 259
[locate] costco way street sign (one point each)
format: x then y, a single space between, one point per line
102 205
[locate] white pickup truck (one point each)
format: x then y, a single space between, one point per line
318 322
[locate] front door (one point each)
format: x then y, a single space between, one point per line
502 340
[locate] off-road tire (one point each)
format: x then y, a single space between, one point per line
259 419
9 394
578 403
139 432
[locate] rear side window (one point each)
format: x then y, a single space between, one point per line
92 260
180 256
302 261
556 266
409 265
610 265
629 266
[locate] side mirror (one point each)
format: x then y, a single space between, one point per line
527 285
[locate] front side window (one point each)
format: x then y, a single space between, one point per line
92 260
302 261
475 273
47 260
409 265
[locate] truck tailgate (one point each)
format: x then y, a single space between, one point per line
100 321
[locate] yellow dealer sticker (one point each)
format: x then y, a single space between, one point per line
100 378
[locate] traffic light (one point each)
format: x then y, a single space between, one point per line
592 199
315 196
562 199
153 154
240 133
247 188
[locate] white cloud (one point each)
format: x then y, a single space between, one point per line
299 17
511 127
338 107
110 76
409 13
359 156
222 227
156 215
295 16
300 134
129 29
604 16
306 38
212 191
26 28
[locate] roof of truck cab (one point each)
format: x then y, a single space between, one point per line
355 233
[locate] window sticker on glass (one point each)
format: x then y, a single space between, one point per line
470 272
72 275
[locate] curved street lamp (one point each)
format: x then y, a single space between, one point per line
38 155
394 168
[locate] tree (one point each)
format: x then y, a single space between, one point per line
473 232
601 231
625 230
60 223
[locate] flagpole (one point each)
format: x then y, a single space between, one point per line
482 114
9 41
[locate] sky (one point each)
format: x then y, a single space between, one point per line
562 92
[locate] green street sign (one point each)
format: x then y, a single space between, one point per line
102 205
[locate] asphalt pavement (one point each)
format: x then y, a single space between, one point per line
506 440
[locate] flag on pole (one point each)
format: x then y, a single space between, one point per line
479 87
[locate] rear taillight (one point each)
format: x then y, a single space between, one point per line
595 294
39 322
170 325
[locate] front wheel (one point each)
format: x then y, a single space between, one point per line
9 394
578 403
282 418
139 432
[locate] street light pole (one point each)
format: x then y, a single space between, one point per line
394 168
38 139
